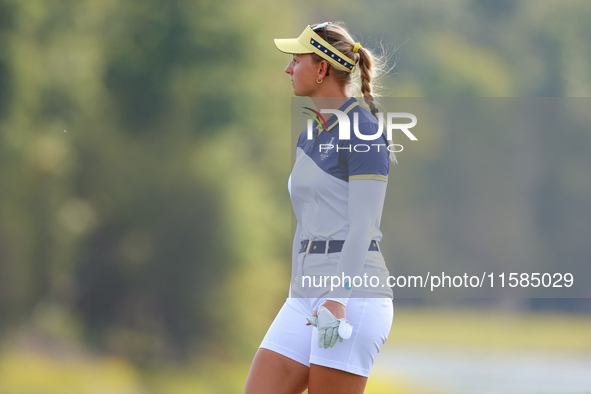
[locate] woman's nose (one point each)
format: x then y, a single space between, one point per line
289 69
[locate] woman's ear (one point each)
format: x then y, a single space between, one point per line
323 69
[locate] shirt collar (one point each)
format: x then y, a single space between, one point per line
346 107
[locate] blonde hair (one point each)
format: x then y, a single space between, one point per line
371 66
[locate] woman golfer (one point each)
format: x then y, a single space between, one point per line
339 310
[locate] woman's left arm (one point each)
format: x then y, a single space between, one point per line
366 202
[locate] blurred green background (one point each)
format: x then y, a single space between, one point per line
144 156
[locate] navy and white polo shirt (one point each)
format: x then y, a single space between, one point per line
320 176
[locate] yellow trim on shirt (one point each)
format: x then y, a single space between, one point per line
349 108
369 176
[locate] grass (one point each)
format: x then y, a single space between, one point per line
478 328
27 371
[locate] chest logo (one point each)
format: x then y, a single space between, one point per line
325 149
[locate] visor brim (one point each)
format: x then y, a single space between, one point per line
290 45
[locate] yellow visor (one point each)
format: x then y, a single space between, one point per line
310 42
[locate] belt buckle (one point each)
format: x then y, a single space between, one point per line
308 246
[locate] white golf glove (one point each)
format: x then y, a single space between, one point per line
330 328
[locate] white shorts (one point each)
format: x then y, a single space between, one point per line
290 336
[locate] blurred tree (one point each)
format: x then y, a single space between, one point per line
115 211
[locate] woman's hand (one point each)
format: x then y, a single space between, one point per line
336 308
330 327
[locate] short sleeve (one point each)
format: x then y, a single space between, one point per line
367 159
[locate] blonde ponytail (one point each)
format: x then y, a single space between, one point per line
366 74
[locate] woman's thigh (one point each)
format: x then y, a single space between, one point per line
273 373
281 364
325 380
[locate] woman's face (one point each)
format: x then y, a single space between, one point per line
303 73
